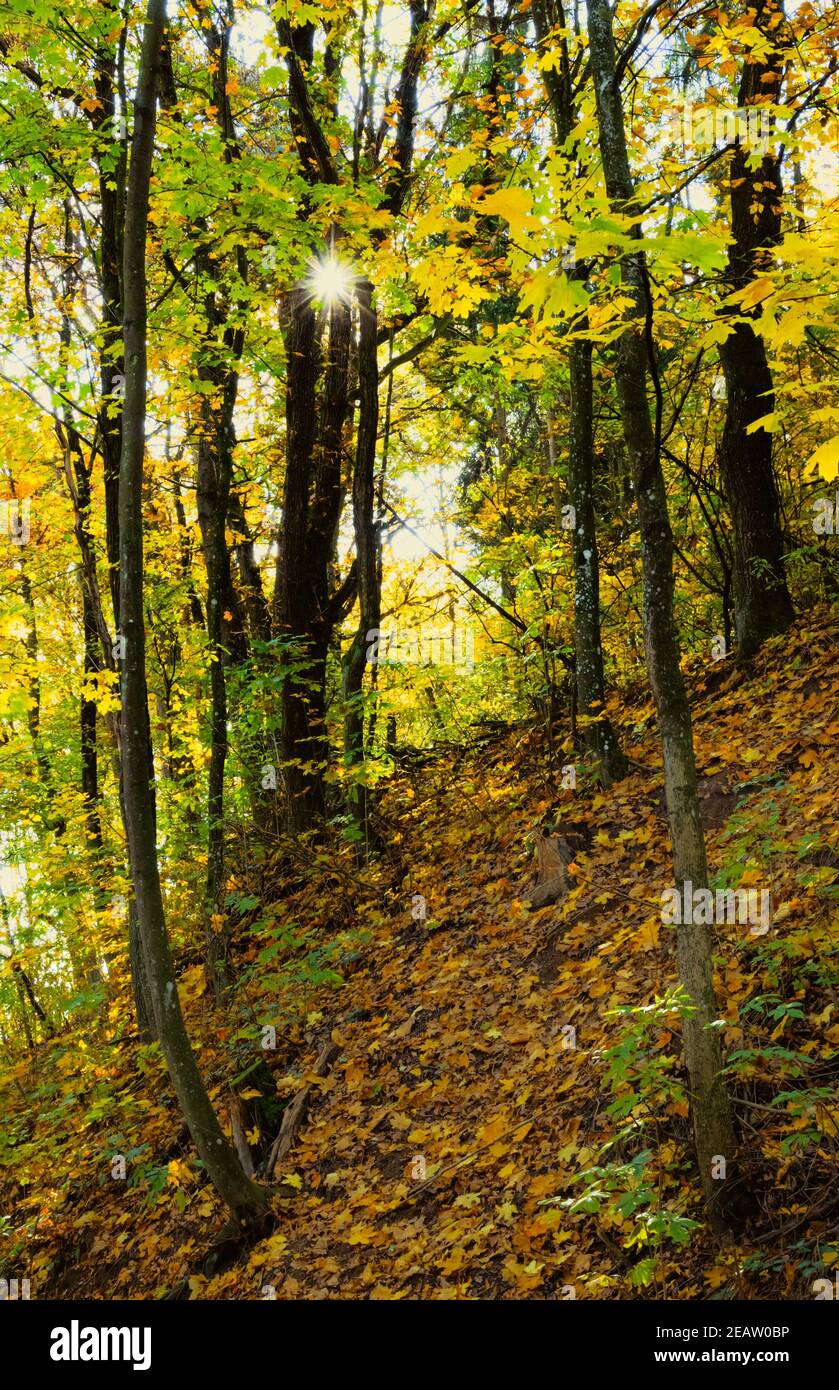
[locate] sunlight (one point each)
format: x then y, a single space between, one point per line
330 280
419 646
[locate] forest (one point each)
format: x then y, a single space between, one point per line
419 496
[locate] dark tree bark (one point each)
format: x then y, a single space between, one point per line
306 608
24 1013
220 352
87 723
196 612
762 603
366 548
244 1199
598 734
111 159
143 1008
256 605
711 1113
215 468
23 983
402 156
33 711
26 984
110 155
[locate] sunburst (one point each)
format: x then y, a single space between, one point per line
330 281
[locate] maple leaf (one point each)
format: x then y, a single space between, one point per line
826 458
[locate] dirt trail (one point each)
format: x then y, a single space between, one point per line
471 1080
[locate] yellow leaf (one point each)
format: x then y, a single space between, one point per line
826 458
753 293
453 1261
362 1235
513 204
770 423
400 1122
647 936
492 1131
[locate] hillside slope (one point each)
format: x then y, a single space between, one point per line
482 1065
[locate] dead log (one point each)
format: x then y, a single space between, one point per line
295 1112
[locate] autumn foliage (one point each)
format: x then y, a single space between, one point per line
419 429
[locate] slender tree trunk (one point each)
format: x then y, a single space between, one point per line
598 734
220 352
90 776
23 984
711 1114
111 133
250 579
24 1014
215 466
109 85
762 604
242 1196
366 550
33 711
87 724
30 994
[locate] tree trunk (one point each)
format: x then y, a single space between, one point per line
143 1010
215 466
598 734
242 1196
365 548
220 352
109 76
306 611
87 725
33 712
711 1114
762 604
109 85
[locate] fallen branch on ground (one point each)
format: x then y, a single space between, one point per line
295 1112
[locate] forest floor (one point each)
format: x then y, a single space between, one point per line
483 1063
